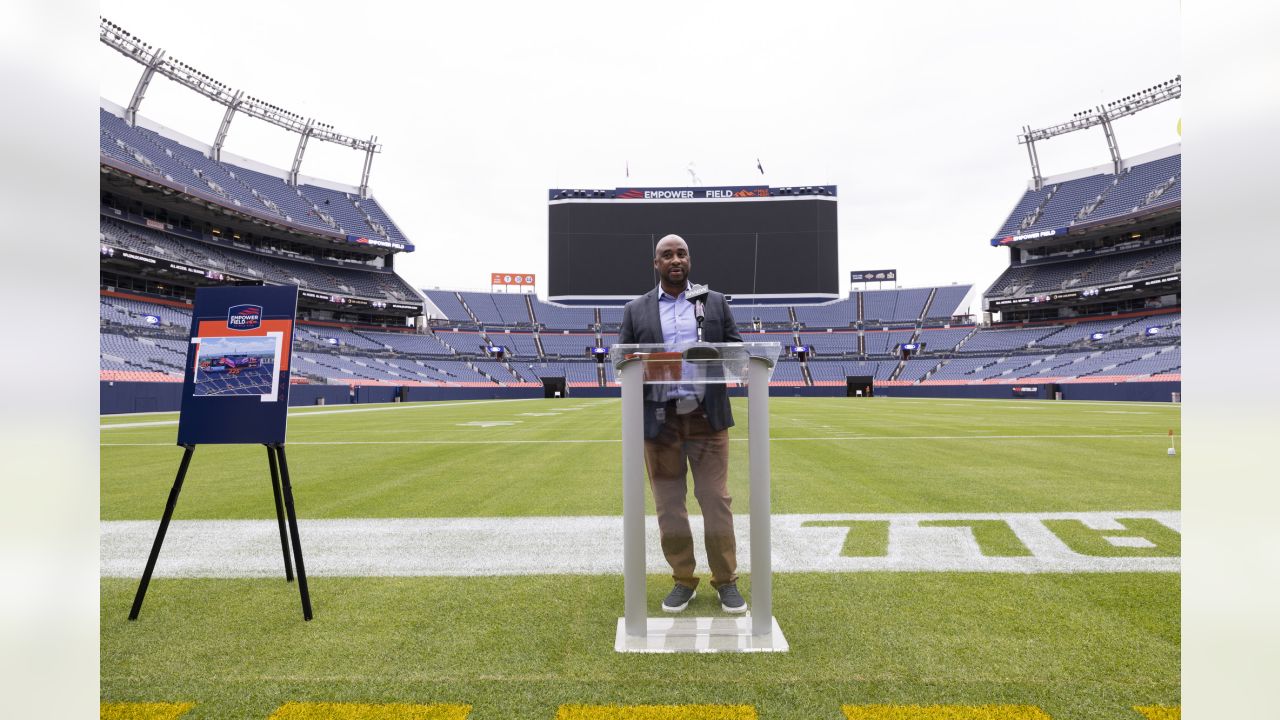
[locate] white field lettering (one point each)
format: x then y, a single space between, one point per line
1063 542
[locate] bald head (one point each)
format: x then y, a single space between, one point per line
670 242
671 260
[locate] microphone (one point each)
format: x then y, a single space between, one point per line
696 294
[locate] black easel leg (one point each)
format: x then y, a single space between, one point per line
293 533
284 538
164 526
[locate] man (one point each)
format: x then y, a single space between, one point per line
687 427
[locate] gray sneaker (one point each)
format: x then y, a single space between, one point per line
730 599
678 599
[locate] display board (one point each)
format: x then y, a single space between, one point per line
745 244
236 388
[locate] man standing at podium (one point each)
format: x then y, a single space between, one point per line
686 427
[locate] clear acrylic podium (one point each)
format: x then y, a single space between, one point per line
643 369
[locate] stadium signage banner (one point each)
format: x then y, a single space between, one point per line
692 193
236 387
1012 301
187 269
324 297
1010 239
1162 281
724 192
340 300
139 258
521 279
179 267
865 276
378 242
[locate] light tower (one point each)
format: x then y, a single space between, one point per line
156 61
1102 115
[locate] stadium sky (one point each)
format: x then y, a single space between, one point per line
912 109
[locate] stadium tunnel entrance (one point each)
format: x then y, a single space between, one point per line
554 387
859 386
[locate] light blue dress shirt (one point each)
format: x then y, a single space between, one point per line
679 329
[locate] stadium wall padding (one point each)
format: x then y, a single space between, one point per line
133 397
1138 391
377 394
308 394
1130 391
117 397
421 394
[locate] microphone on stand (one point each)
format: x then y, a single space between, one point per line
696 295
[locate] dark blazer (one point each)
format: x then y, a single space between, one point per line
642 324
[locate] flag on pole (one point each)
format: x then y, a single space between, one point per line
628 168
759 166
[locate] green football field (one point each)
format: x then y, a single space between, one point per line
869 638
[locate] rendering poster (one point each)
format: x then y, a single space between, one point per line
236 388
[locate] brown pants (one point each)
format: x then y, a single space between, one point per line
688 442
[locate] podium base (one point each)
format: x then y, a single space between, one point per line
701 635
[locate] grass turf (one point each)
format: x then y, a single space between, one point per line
1076 645
828 455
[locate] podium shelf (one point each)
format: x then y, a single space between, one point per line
695 363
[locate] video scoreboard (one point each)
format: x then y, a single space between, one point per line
746 241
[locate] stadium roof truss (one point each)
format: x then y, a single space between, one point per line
1102 115
155 61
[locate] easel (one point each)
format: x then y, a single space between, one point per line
274 451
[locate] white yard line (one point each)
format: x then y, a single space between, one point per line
592 545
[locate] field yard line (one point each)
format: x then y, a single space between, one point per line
498 441
592 545
137 414
153 423
309 413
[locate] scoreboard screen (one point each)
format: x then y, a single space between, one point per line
760 245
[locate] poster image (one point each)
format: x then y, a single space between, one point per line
227 366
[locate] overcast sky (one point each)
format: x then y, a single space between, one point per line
912 109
